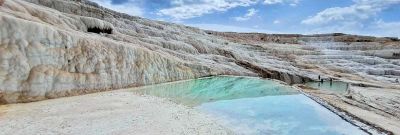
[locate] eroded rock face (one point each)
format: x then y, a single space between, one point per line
354 57
55 63
47 54
55 48
298 38
369 64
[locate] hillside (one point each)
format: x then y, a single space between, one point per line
57 48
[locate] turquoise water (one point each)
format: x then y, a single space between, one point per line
254 106
335 86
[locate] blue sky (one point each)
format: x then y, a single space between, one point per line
366 17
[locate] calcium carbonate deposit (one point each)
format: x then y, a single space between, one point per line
57 48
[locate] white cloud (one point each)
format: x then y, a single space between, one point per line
291 2
177 2
387 28
355 19
130 7
229 28
271 2
186 9
388 25
276 22
378 28
345 27
250 13
361 10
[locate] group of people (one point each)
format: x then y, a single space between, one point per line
331 80
322 80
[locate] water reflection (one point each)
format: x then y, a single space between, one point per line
278 115
255 106
196 92
336 86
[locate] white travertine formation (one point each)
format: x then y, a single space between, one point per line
56 48
93 22
106 113
47 52
370 64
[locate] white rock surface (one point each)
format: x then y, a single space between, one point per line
47 52
107 113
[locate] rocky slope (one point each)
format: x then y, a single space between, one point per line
56 48
362 58
371 65
298 38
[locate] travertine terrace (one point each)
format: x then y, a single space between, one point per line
66 56
57 48
369 64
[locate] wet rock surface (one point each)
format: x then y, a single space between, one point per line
368 64
57 48
62 58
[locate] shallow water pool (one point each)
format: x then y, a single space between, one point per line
335 86
254 106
